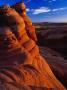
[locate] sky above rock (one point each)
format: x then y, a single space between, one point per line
44 10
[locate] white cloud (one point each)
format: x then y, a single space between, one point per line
44 10
49 0
58 9
27 9
28 1
53 0
55 9
41 10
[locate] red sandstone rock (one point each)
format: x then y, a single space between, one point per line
19 30
21 9
57 63
19 63
10 49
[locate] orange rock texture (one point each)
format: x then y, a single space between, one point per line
30 29
21 65
57 63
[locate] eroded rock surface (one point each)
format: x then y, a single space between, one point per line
30 29
57 63
21 65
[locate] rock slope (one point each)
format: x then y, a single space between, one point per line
21 65
57 63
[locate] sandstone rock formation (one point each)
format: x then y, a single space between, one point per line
30 29
57 63
16 22
21 65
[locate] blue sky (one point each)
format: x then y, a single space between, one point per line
44 10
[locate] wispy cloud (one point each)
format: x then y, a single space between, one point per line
58 9
44 10
50 1
41 10
27 9
53 0
28 1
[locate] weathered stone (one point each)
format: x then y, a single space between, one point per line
21 9
19 30
20 62
56 62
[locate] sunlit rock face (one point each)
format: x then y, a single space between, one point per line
21 65
18 26
30 29
10 49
